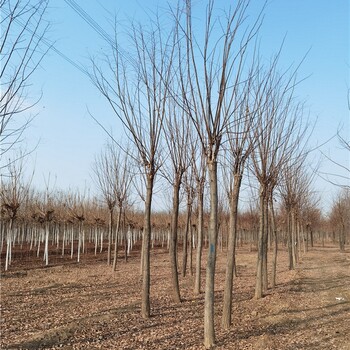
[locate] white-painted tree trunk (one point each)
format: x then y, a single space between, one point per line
46 250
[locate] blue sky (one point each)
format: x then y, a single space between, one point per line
69 138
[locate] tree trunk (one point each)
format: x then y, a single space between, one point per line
290 240
231 251
209 332
2 225
173 243
8 247
275 244
294 238
190 246
146 277
79 240
116 239
110 232
259 270
126 237
72 242
46 250
265 245
342 237
197 283
185 239
63 238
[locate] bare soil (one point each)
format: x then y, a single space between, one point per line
88 306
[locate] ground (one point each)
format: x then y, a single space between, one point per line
88 306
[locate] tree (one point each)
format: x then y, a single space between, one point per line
339 216
137 89
22 33
13 191
239 148
45 214
176 132
76 207
113 178
294 189
187 239
199 173
210 75
279 128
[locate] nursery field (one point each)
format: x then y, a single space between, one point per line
67 305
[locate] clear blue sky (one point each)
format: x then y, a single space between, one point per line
69 138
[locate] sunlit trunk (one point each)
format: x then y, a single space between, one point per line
275 244
110 232
8 247
290 240
294 241
209 331
265 246
146 277
231 251
46 249
197 284
173 242
116 239
259 270
185 239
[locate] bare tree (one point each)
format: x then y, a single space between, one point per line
187 239
13 191
137 89
239 148
177 133
22 33
339 216
199 172
45 214
294 189
113 178
278 130
210 75
76 209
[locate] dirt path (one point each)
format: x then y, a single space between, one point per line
87 307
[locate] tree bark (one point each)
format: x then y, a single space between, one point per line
275 244
209 331
265 245
46 249
197 283
294 241
185 239
259 270
115 257
146 276
231 251
110 232
9 245
173 243
290 241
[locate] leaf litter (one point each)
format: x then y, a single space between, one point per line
88 306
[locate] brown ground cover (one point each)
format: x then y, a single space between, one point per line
87 306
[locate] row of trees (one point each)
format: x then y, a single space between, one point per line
57 222
201 108
212 80
38 223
